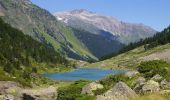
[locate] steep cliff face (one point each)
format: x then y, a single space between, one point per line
42 26
90 21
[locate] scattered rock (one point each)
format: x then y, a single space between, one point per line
139 81
88 89
164 83
119 92
138 84
150 87
157 77
49 93
164 55
131 74
165 92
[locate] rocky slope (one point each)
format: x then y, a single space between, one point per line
43 26
93 22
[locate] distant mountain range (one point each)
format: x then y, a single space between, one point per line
77 34
93 22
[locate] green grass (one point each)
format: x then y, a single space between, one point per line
150 68
73 91
78 46
130 59
152 97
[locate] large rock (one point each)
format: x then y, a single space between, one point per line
49 93
119 92
88 89
138 84
131 74
7 87
157 77
164 84
150 87
6 97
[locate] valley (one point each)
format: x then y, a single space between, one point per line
79 55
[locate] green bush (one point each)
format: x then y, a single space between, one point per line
151 68
73 91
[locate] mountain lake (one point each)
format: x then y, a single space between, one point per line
83 74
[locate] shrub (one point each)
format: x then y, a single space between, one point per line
73 91
151 68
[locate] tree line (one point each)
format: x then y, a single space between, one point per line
159 38
17 49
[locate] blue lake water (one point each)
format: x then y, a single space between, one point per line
83 73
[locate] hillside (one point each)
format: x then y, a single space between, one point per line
131 59
20 55
99 45
25 16
161 38
153 48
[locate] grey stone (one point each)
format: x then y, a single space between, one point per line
9 97
88 89
9 86
151 87
119 92
164 83
131 74
49 93
157 77
138 84
6 97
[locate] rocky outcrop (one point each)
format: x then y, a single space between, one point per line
157 77
6 97
131 74
138 84
49 93
119 92
150 87
88 89
7 87
164 84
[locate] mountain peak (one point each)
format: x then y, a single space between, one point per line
78 11
126 31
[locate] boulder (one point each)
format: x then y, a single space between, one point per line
131 74
164 84
6 97
150 87
157 77
49 93
7 87
88 89
119 92
138 84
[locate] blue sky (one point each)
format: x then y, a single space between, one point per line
154 13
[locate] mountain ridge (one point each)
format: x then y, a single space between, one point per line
127 32
25 16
